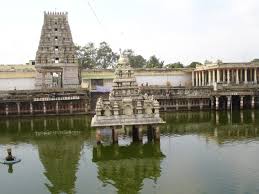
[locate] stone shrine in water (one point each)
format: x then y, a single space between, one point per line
126 106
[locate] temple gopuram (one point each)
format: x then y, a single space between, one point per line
126 106
56 83
56 61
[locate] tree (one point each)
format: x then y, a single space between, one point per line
136 61
194 64
106 58
154 62
87 55
174 65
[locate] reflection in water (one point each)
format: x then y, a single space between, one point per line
125 167
58 141
10 168
60 160
222 127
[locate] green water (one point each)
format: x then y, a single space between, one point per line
199 152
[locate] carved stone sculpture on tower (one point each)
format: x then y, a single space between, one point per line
56 62
126 105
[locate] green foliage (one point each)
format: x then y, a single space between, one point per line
255 61
136 61
154 62
91 57
174 65
87 55
193 64
106 58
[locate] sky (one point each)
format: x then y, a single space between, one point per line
173 30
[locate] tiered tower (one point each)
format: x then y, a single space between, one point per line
56 61
126 106
56 44
124 83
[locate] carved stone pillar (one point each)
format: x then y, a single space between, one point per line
245 76
6 110
140 133
213 76
251 75
18 108
150 133
199 78
212 102
241 75
44 107
203 78
115 138
196 78
156 108
71 107
156 133
209 72
237 77
201 104
193 84
223 76
57 109
241 102
116 109
217 103
229 102
228 77
218 75
255 76
31 108
189 105
252 102
207 78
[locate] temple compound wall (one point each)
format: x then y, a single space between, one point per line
209 86
103 78
218 86
17 77
24 77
